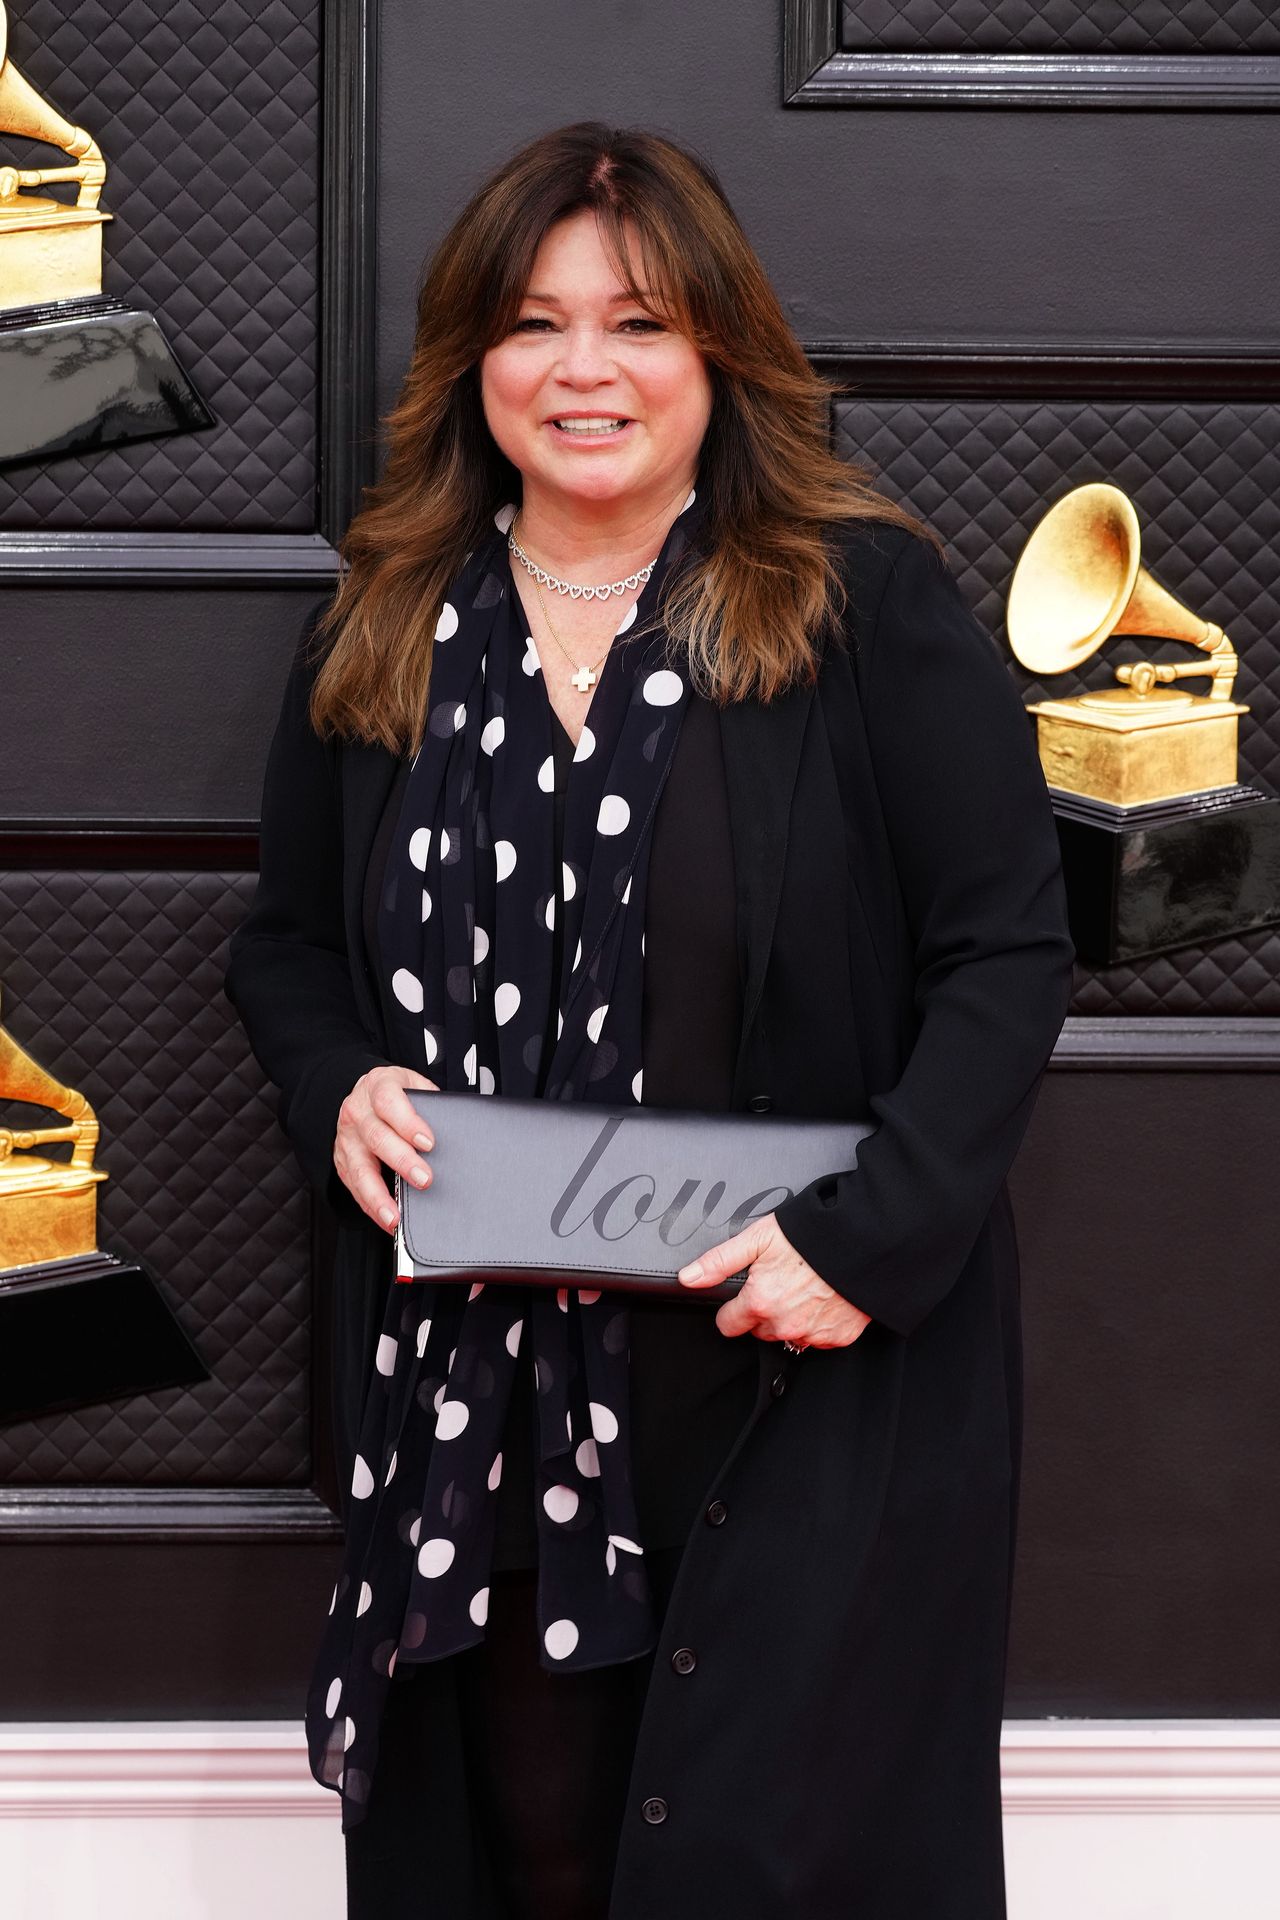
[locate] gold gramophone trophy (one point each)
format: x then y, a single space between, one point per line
77 370
76 1324
1162 847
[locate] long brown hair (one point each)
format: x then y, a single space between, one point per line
749 606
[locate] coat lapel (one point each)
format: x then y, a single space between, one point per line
761 746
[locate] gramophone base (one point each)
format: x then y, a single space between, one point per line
77 375
92 1328
1143 880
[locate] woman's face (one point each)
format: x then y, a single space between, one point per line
595 401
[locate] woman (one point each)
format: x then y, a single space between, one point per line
650 1609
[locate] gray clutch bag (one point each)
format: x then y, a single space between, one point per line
565 1193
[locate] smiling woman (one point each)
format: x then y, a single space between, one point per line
647 757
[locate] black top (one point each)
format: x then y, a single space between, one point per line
691 1388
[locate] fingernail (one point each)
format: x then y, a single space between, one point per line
691 1272
423 1142
419 1176
388 1216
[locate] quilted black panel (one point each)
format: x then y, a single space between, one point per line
1205 479
113 980
207 112
1061 26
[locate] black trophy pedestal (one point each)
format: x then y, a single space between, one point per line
81 374
91 1328
1176 873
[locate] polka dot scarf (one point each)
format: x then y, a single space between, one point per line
466 929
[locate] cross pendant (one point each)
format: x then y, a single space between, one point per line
585 677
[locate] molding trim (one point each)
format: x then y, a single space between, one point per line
818 72
157 846
1048 370
116 1769
176 1515
167 560
1190 1043
1140 1766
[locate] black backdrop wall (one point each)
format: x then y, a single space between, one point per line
1066 277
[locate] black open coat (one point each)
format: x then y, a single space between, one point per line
834 1749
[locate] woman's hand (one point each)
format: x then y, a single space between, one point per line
377 1123
782 1297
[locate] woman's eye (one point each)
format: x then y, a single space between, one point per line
527 325
645 325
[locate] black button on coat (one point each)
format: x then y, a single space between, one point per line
905 949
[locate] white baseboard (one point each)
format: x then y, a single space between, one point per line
195 1820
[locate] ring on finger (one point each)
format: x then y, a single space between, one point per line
789 1346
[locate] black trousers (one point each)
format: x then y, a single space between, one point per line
547 1762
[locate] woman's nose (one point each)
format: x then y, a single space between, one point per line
586 357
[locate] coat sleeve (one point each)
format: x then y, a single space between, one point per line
288 976
973 840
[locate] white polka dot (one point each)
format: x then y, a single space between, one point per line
476 1291
562 1299
333 1601
420 847
636 1084
586 1298
480 945
559 1025
505 1002
504 855
445 844
469 1064
424 1328
625 895
662 689
453 1354
560 1502
435 1557
459 718
386 1357
621 1540
361 1479
560 1639
349 1736
586 745
628 619
577 958
447 624
531 662
391 1663
604 1422
332 1697
611 1558
487 1082
429 1044
546 774
415 1531
550 915
513 1336
437 1400
451 1420
568 1426
407 989
479 1607
495 1472
391 1470
614 814
426 905
569 882
595 1022
505 515
588 1460
693 494
494 734
366 1598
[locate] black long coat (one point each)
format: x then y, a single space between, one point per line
834 1750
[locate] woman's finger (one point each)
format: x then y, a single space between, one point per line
730 1257
393 1150
360 1173
390 1101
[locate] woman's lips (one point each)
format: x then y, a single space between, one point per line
590 437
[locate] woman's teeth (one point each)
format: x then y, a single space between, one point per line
589 426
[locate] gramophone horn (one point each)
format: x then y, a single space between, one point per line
1080 579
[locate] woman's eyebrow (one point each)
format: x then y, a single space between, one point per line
615 299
